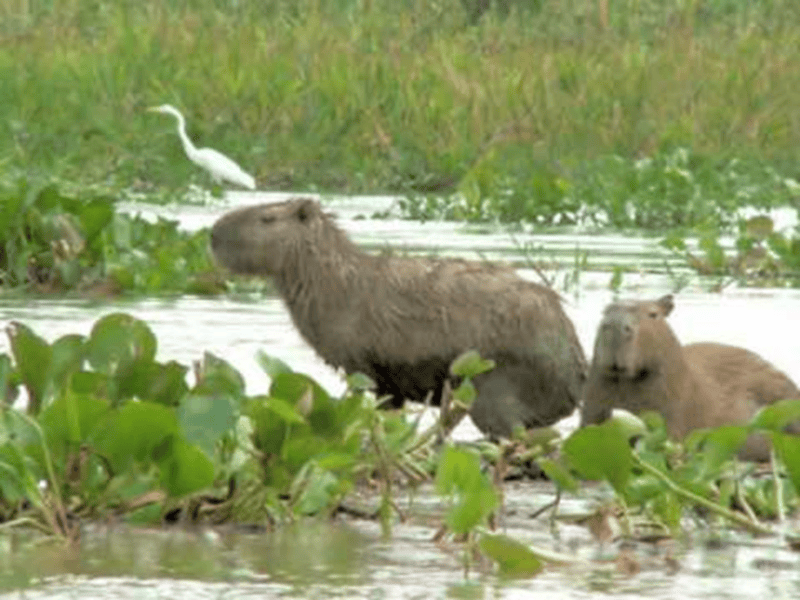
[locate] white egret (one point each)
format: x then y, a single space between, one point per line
217 164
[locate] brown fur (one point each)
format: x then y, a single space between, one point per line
640 365
403 320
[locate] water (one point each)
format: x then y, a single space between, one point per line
353 560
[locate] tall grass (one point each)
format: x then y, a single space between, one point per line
381 95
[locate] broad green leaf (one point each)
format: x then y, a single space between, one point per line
272 366
67 357
320 488
153 381
469 364
204 419
558 474
321 414
134 432
7 385
787 447
777 416
513 558
69 420
358 382
117 341
185 469
600 452
33 356
217 376
473 497
717 445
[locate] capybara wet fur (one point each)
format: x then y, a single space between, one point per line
640 365
402 320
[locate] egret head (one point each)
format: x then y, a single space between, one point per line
166 109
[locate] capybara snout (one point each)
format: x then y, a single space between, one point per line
631 336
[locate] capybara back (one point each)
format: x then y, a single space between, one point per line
403 320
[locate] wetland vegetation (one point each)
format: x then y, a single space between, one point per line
649 116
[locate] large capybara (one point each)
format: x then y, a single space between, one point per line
403 320
640 365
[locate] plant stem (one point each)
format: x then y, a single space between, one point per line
736 517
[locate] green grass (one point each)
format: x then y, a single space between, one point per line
394 96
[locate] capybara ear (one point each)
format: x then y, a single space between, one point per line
667 303
306 208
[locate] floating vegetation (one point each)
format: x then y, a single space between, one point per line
94 426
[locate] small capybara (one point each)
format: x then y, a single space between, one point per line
402 321
640 365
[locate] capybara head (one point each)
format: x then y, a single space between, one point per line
257 240
634 338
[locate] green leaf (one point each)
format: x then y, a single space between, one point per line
217 376
204 419
473 497
787 447
320 488
33 356
558 474
67 357
469 364
272 366
600 452
185 469
294 388
117 341
513 558
358 382
777 416
134 432
718 445
69 420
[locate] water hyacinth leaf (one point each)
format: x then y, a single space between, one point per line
358 382
469 364
318 488
217 376
185 469
777 416
513 558
473 497
117 341
204 419
630 424
69 420
134 432
272 366
156 382
787 447
718 445
67 357
271 418
465 393
600 452
7 385
32 355
319 408
558 474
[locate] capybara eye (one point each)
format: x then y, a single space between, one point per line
653 314
267 219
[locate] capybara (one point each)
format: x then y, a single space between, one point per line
640 365
402 320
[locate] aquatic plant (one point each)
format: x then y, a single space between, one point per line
52 242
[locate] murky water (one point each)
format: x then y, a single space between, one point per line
353 559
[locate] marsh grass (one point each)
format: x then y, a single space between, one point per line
377 95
